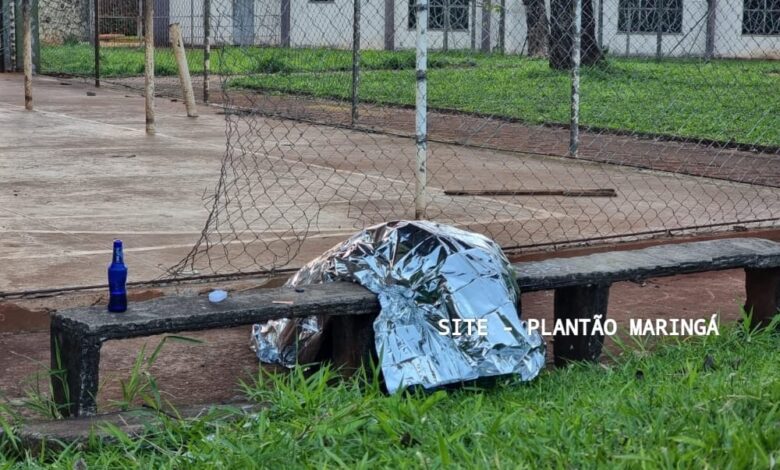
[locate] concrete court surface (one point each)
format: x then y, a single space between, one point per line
80 171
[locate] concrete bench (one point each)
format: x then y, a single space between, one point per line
581 287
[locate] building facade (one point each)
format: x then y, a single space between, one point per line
670 28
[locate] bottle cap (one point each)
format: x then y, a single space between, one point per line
217 296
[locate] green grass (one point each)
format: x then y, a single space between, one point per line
707 402
721 100
78 59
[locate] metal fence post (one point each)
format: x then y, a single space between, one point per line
446 42
659 28
97 43
285 23
601 24
712 6
149 64
574 125
487 9
27 54
502 27
389 25
206 49
473 25
421 108
355 59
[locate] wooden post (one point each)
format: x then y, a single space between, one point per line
27 44
149 64
184 69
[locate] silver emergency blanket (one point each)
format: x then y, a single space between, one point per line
427 276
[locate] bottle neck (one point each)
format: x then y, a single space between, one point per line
118 257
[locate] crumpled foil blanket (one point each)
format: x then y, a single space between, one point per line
449 307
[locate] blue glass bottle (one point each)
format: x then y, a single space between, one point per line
117 280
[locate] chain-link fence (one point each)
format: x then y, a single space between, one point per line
548 122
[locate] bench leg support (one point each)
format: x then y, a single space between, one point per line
352 342
574 303
762 287
74 363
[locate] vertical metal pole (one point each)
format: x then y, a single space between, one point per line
285 22
206 49
355 59
446 43
487 10
421 108
27 53
97 43
5 31
630 13
192 23
389 25
149 64
659 16
601 24
473 25
710 41
139 26
502 28
574 126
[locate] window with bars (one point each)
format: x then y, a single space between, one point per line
644 16
457 10
761 17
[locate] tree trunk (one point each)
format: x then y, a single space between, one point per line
537 26
561 27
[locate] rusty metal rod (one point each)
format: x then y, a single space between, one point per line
608 192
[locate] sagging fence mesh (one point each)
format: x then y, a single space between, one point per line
548 122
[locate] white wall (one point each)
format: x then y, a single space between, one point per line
329 24
691 41
405 37
321 24
729 40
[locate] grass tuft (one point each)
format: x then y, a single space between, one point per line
710 402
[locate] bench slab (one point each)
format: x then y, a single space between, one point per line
581 284
171 314
656 261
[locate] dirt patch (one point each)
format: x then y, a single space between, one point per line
15 318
